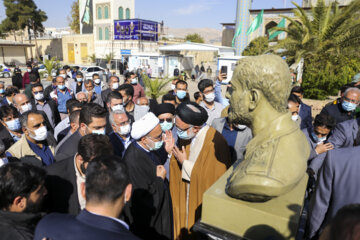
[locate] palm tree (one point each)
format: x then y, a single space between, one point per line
325 30
50 65
155 88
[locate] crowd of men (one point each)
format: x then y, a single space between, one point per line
93 159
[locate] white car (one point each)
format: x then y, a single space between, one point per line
91 70
5 71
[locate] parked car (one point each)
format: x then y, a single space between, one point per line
91 70
5 71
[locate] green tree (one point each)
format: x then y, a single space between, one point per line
21 14
50 65
155 88
256 47
326 38
74 20
196 38
325 30
10 23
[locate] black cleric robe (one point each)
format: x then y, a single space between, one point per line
149 211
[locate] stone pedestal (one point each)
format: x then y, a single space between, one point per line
278 217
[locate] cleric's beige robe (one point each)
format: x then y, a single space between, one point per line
212 162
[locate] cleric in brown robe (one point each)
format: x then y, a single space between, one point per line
199 159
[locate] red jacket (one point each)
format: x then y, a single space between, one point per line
26 79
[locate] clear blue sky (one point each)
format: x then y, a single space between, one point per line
175 13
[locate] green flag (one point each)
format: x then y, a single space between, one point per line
256 23
238 31
273 34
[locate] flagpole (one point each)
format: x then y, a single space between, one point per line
242 20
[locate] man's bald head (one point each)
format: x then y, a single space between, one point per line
143 101
20 98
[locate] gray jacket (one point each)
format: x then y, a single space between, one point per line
344 134
242 138
337 186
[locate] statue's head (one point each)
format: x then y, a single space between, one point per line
258 79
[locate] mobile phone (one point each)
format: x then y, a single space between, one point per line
223 69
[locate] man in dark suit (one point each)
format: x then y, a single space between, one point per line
106 190
64 178
92 120
10 127
9 94
344 109
39 102
113 86
120 136
305 110
337 186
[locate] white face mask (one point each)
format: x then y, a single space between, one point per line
173 86
97 81
294 117
134 81
40 134
240 127
115 85
125 130
39 96
99 132
210 97
26 107
119 107
63 75
28 70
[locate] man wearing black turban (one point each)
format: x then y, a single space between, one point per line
199 159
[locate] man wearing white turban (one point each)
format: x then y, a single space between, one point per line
149 211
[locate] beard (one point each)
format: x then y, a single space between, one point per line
239 114
33 207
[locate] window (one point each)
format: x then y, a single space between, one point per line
106 12
107 33
99 13
96 69
121 13
90 70
100 34
127 13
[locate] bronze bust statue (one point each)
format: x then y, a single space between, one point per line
276 158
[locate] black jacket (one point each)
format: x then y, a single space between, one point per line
85 226
61 185
19 226
53 107
5 137
119 147
69 147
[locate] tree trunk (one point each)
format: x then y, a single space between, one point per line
14 35
29 35
36 46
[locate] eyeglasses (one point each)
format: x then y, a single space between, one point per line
166 119
351 100
38 92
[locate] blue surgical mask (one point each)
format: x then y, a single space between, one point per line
165 126
184 135
317 139
61 87
157 145
79 79
14 124
348 106
181 94
2 91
